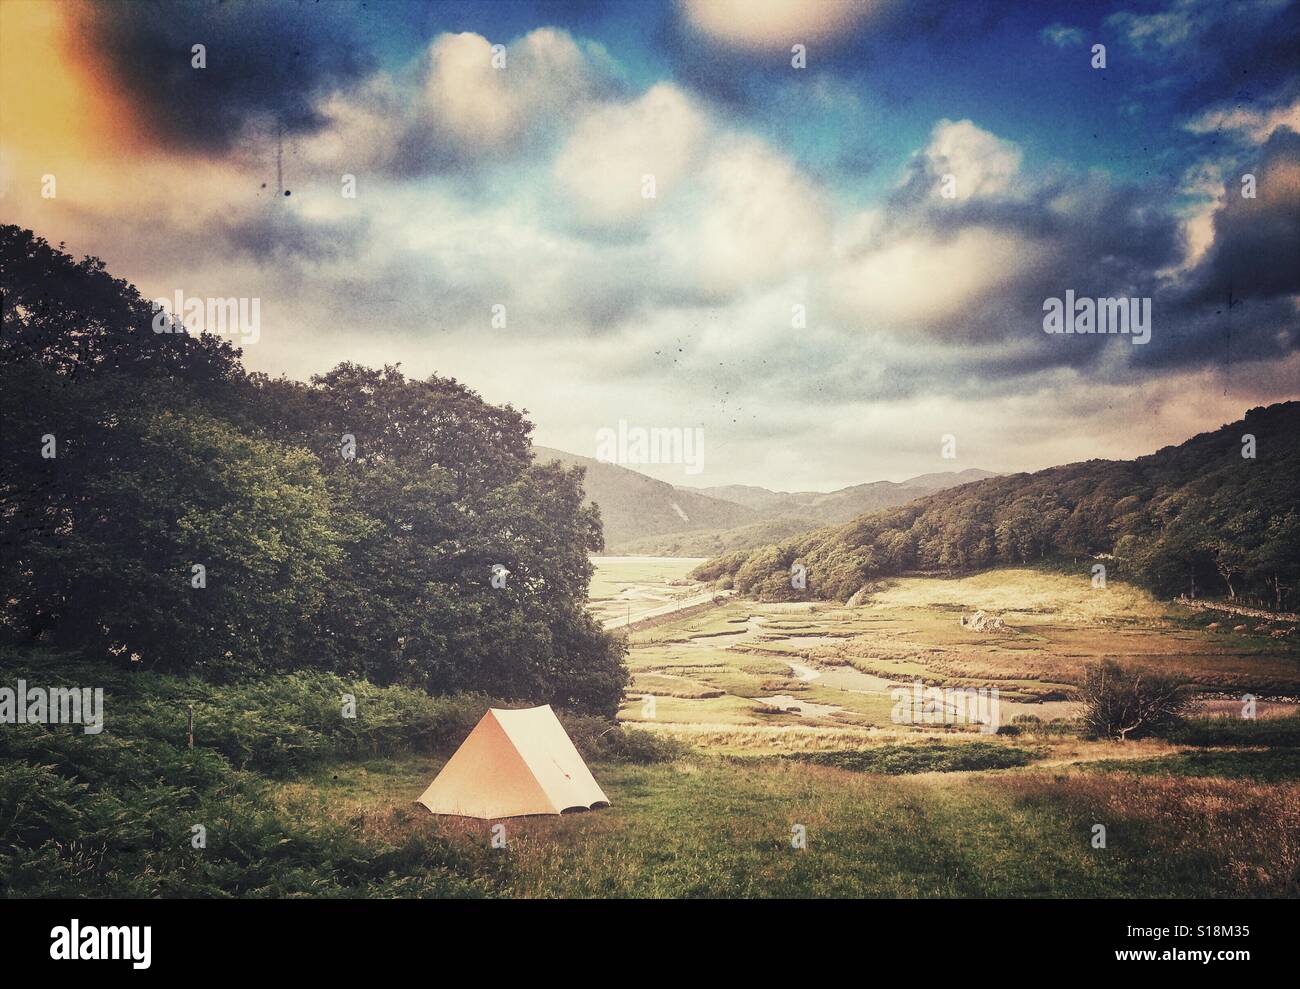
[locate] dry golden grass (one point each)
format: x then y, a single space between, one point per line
1057 625
1245 835
1064 598
726 738
670 685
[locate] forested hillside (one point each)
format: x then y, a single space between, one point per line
1198 519
161 508
715 542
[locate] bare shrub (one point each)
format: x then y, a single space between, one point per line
1132 703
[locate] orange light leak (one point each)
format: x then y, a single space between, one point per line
53 97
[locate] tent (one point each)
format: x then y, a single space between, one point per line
514 763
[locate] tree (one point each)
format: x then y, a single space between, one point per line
138 497
170 458
441 490
75 319
1278 556
1131 703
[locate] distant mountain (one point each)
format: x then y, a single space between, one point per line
633 506
943 480
645 516
828 507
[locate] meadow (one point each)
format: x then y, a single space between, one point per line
705 825
750 664
722 793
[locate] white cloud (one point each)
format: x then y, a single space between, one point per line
775 24
1204 183
920 280
1163 32
462 102
1253 124
752 216
1156 32
983 164
602 165
364 128
482 106
1062 36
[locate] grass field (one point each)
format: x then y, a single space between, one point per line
710 794
894 810
748 664
707 825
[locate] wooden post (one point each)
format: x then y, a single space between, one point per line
190 730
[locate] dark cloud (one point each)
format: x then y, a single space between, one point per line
1237 304
1107 241
266 62
1217 335
1110 241
1256 250
1238 50
273 233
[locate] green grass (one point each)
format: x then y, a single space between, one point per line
726 831
113 814
705 826
1283 732
930 756
326 816
298 801
1262 765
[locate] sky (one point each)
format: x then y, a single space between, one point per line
822 234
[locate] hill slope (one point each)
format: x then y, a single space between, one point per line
633 505
715 542
1195 518
825 507
643 516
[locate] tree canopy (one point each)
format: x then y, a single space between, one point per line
352 523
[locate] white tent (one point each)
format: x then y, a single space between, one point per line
514 763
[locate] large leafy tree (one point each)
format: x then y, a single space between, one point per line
74 318
439 490
102 538
354 522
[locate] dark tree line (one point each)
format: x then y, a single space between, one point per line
374 559
1197 519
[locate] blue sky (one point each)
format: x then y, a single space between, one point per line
984 61
520 185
